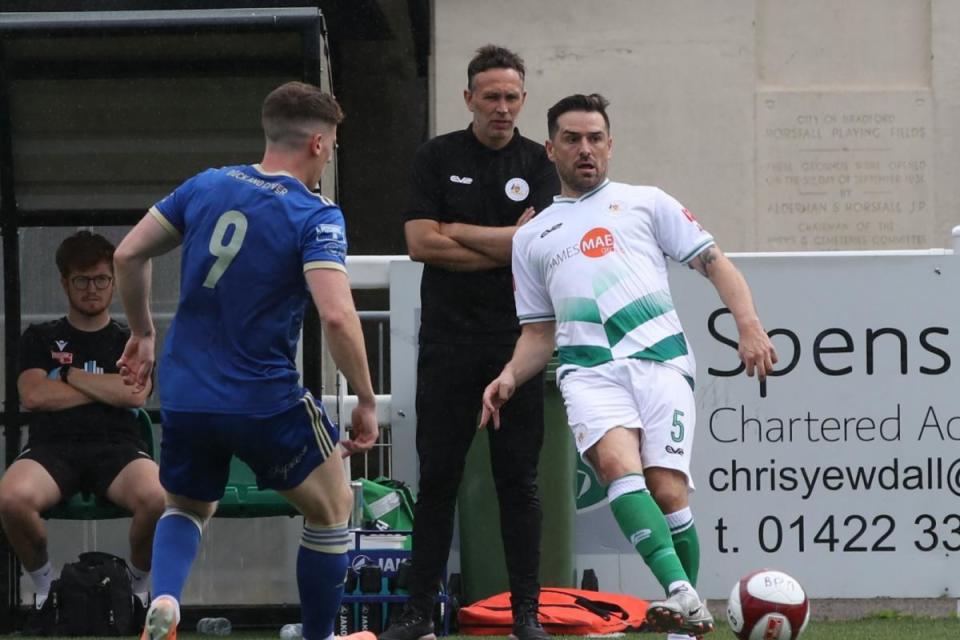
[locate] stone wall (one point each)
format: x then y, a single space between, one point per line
816 125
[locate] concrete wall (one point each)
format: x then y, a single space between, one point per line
783 125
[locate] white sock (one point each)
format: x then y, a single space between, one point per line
139 581
679 636
679 521
42 578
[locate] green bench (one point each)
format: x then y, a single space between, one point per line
242 498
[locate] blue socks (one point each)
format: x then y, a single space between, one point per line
321 570
321 566
175 546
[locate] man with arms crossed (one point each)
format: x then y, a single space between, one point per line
84 433
257 245
472 189
591 278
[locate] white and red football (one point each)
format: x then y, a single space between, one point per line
767 605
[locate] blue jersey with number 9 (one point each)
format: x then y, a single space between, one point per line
248 237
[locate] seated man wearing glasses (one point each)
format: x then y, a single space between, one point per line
84 433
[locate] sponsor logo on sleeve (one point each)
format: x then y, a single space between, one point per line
692 218
335 249
327 232
331 239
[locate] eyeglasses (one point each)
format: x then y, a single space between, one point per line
83 282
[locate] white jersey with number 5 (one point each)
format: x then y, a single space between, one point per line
597 266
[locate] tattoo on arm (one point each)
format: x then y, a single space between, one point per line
707 257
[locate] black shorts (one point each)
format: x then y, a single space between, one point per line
89 467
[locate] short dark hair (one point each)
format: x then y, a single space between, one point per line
291 106
83 250
577 102
493 57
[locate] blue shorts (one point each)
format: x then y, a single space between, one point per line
281 448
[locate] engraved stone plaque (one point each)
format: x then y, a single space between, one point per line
844 170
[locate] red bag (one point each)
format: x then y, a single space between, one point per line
562 612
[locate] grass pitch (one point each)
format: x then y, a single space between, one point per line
873 628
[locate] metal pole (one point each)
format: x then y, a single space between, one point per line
311 39
283 18
11 299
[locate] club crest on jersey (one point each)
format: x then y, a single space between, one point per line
61 344
616 207
596 243
63 357
517 189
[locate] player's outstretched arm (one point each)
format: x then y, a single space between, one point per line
331 293
132 269
530 355
756 350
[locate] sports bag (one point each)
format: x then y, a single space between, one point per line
92 597
388 503
562 612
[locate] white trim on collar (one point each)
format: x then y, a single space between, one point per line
567 199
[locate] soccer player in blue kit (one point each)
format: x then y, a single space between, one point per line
257 245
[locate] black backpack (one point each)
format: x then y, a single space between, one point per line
92 597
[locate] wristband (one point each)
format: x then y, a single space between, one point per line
64 372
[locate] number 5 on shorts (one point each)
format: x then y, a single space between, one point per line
225 253
677 433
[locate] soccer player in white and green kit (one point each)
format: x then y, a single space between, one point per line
591 280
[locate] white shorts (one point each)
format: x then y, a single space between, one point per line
636 394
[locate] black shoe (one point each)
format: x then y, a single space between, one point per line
526 626
40 620
411 625
139 617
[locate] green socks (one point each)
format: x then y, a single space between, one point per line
643 524
685 541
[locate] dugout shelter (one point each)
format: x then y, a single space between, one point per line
101 114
